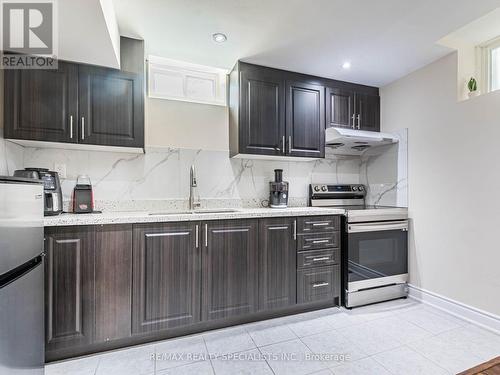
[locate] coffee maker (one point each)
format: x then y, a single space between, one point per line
278 191
53 201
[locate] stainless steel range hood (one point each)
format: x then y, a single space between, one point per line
355 142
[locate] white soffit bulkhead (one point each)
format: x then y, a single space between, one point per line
88 32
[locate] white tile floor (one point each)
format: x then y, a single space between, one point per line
398 337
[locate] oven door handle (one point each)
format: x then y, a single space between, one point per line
378 227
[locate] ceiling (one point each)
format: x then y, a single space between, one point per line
383 39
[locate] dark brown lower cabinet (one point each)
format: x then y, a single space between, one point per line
109 286
69 287
277 263
166 281
318 284
113 282
88 285
230 256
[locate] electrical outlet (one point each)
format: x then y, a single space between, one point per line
60 169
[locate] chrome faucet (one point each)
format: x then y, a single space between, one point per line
194 199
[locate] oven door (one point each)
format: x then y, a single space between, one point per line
377 254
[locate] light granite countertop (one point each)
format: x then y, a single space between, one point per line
132 217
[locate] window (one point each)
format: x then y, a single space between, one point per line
495 69
177 80
491 64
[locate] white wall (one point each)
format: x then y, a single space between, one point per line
454 200
186 125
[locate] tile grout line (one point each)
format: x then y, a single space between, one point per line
322 362
208 353
258 349
430 359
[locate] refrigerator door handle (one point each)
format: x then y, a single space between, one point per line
14 274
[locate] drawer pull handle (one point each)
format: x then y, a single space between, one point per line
321 241
320 224
320 259
319 285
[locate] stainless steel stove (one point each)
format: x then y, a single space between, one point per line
375 244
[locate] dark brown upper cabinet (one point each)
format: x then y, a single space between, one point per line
42 105
229 268
348 108
79 103
263 116
110 105
368 112
166 281
305 119
340 108
274 112
277 263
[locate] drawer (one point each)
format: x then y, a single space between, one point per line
318 258
316 241
317 224
318 284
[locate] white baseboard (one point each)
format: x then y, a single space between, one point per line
458 309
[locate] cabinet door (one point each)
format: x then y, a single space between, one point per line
277 263
230 258
305 120
113 280
339 108
166 276
262 117
111 107
368 112
69 287
42 104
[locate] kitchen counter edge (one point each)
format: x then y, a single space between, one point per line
69 219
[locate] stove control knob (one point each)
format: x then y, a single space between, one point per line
316 188
354 188
324 188
361 188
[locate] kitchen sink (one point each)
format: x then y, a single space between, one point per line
215 211
170 213
201 211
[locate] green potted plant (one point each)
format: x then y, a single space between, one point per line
472 86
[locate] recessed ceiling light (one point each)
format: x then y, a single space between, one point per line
219 37
346 65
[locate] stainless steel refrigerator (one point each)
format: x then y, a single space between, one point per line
21 277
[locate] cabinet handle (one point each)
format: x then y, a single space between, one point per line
71 127
318 285
83 128
169 234
284 145
353 121
321 241
321 224
197 234
359 121
320 259
289 144
206 235
295 230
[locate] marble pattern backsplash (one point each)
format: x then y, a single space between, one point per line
11 157
384 171
159 179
